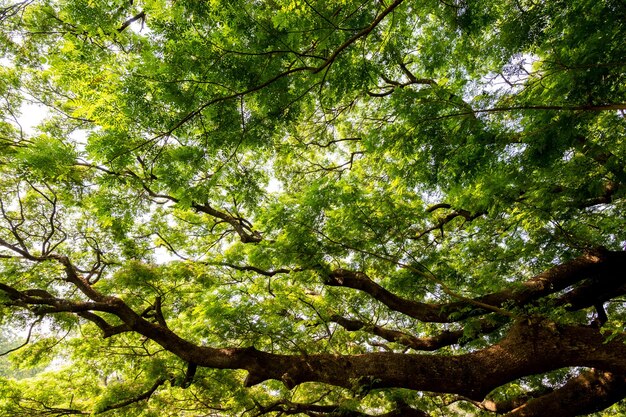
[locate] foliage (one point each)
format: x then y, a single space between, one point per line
262 174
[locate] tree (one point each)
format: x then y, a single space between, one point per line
394 208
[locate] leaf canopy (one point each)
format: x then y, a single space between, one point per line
281 207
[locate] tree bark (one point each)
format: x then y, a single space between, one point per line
603 268
589 392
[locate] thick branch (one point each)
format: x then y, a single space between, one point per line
72 276
593 291
589 392
189 375
314 410
602 264
529 348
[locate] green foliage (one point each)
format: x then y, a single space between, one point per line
212 161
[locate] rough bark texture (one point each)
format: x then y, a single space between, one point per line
531 345
600 270
589 392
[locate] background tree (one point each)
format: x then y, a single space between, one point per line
314 208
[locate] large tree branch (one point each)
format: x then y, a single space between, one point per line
589 392
140 16
529 348
604 265
315 410
591 292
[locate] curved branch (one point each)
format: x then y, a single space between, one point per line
313 70
240 225
446 338
605 265
313 410
137 398
589 392
27 341
442 222
528 348
107 329
592 292
502 406
359 35
257 270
